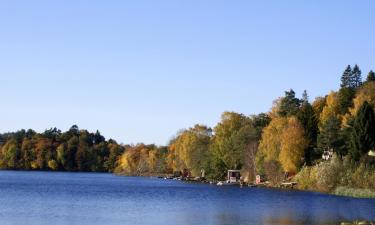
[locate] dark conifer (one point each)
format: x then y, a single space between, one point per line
370 76
363 132
345 78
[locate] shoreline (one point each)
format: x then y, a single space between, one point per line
342 192
339 191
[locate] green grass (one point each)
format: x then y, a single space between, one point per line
354 192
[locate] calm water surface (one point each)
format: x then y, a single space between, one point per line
39 198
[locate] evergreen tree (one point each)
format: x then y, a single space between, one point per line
346 77
370 76
289 104
305 98
330 137
345 99
306 116
363 132
356 77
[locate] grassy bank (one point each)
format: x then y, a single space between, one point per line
340 177
354 192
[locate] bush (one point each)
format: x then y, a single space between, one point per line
342 177
328 174
306 178
273 171
52 164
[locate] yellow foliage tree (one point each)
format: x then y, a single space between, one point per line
366 93
270 143
318 106
171 158
293 145
284 140
191 148
331 108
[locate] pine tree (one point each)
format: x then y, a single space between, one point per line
330 137
289 104
345 99
305 97
356 77
370 76
363 132
307 118
345 78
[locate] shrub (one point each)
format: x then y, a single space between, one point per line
328 174
273 171
306 178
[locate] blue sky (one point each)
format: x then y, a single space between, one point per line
139 71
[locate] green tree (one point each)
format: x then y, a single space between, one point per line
307 118
228 143
363 132
62 156
289 104
351 78
330 137
345 99
28 151
115 152
72 147
346 77
370 76
356 77
259 122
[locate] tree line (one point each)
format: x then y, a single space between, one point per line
74 150
293 135
290 138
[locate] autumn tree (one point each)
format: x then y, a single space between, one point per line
10 155
74 150
229 141
365 94
191 148
284 141
293 145
318 106
331 109
270 143
43 152
28 153
115 152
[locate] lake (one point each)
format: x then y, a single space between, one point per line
58 198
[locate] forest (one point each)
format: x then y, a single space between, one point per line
74 150
291 138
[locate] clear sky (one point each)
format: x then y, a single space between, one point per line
139 71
